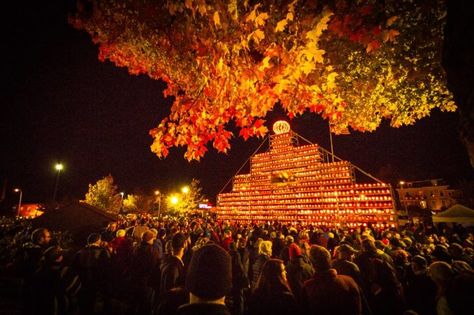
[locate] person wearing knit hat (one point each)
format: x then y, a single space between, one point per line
208 281
294 251
298 271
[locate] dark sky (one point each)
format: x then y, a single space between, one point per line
61 104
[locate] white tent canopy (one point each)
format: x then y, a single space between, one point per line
456 214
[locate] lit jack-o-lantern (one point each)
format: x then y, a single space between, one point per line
280 127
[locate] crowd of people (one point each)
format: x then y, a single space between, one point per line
146 265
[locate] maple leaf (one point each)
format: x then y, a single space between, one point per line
253 14
372 46
316 108
321 26
390 35
331 80
216 19
392 20
290 16
260 131
258 123
245 133
307 67
257 36
233 9
261 19
281 25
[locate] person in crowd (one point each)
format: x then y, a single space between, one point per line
272 295
344 262
243 253
172 292
278 243
442 275
469 241
264 254
28 263
240 282
459 296
327 292
145 275
284 253
138 230
157 243
253 245
421 290
383 290
227 239
402 265
56 284
460 267
441 253
208 281
110 232
298 271
93 265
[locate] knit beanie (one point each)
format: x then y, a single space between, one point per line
210 273
320 257
294 251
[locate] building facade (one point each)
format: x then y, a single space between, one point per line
431 194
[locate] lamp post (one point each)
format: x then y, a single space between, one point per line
403 197
59 167
121 202
158 196
19 200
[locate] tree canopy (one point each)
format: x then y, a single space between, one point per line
354 63
103 195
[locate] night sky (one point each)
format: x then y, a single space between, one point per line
60 103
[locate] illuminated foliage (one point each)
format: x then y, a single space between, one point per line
130 203
103 195
352 62
185 202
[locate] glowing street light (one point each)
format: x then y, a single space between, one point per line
58 167
174 200
19 200
185 189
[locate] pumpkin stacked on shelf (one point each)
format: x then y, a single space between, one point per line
294 184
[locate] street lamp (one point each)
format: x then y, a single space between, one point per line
59 167
403 197
121 205
158 196
19 200
174 200
185 189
